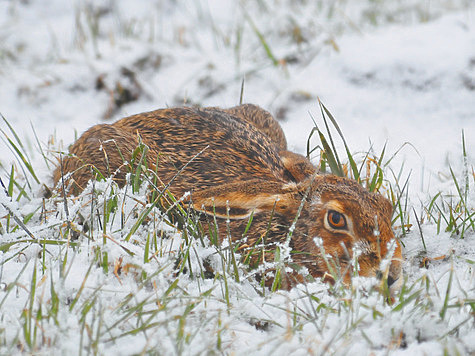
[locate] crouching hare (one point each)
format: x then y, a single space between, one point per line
244 168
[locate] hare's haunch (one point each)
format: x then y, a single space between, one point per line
244 168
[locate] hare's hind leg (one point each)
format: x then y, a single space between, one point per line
263 121
102 149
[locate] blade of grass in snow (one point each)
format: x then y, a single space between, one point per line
324 111
463 203
331 159
43 154
447 293
20 152
29 326
377 180
12 214
83 284
241 95
262 40
420 229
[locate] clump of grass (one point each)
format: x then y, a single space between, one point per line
374 164
371 170
450 212
134 268
454 212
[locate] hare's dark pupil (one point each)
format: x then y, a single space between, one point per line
336 218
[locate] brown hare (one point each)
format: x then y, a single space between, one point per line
244 168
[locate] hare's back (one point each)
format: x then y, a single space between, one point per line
231 148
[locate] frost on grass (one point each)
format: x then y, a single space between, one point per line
95 288
103 280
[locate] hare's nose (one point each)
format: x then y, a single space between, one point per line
391 281
395 276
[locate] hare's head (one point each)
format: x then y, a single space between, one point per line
340 224
347 221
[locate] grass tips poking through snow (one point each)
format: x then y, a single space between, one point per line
133 265
129 271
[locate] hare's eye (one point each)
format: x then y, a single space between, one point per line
336 220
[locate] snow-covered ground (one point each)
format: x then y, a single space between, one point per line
389 71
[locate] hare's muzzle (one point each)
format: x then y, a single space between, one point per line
392 272
395 281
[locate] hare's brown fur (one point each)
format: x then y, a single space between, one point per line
244 168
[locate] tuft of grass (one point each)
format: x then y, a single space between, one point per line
454 212
371 170
130 269
450 212
330 158
15 145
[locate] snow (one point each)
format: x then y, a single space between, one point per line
388 71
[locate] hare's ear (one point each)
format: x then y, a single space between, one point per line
239 200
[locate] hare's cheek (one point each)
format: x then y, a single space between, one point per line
368 264
337 245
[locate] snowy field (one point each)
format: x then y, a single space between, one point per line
400 73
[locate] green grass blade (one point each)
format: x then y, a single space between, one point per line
263 41
332 161
11 182
330 137
377 179
39 146
447 294
353 166
462 201
310 151
23 160
17 139
83 284
19 152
